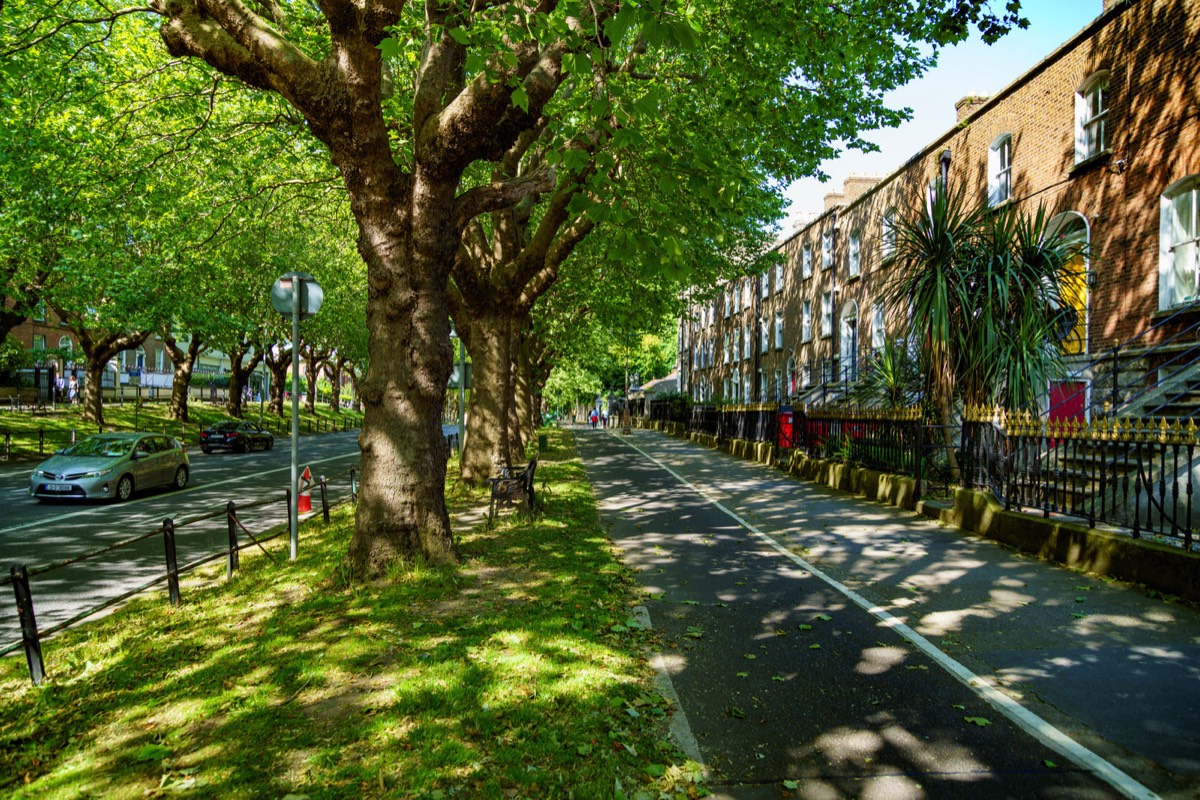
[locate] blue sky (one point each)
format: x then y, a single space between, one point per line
970 68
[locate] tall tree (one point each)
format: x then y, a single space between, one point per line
407 98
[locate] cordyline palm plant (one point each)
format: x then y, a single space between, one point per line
983 290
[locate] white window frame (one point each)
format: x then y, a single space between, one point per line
727 351
826 314
765 337
854 255
779 277
878 329
778 330
806 321
888 234
827 250
747 342
748 294
806 261
1092 135
762 386
1179 244
765 280
1000 170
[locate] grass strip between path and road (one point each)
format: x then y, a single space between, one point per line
519 673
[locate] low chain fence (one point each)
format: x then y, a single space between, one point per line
92 572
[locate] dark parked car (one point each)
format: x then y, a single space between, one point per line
111 465
238 437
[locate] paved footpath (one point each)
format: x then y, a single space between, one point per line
823 646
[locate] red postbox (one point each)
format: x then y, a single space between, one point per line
784 427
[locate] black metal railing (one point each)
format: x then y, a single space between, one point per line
1127 473
239 537
755 423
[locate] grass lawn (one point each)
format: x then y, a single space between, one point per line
33 436
517 674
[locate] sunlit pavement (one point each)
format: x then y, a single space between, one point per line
785 676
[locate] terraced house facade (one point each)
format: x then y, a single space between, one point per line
1104 134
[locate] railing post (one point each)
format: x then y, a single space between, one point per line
324 500
168 526
353 486
29 631
232 558
920 448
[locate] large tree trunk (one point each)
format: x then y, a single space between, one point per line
487 444
314 360
334 369
279 362
402 507
184 363
98 350
241 364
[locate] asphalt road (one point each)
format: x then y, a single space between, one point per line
824 646
34 533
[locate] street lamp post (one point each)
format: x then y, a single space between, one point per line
626 429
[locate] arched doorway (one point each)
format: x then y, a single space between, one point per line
848 342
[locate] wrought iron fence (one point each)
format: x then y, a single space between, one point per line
1134 474
755 423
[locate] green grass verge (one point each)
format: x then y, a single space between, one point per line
33 436
517 674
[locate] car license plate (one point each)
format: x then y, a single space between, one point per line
58 487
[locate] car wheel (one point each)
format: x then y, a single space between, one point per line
207 450
124 488
270 444
181 477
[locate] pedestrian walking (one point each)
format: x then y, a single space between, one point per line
73 390
593 418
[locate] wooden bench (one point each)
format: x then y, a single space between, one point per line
512 488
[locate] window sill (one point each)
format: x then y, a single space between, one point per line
1182 308
886 260
855 277
1091 162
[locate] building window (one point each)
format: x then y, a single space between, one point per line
1179 243
727 358
765 280
854 255
747 341
39 312
728 396
746 387
779 277
806 261
806 321
806 373
889 234
766 333
762 386
748 294
827 250
39 341
1091 117
778 330
1000 170
827 314
877 329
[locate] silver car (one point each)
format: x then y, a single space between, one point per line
111 465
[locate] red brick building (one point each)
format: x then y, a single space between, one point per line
1104 133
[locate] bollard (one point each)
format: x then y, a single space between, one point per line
324 500
231 561
353 486
168 526
291 509
29 631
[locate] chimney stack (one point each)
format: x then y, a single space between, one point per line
834 200
856 186
969 105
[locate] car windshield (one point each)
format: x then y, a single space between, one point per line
225 427
100 446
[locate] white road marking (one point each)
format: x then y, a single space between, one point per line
97 509
1025 719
